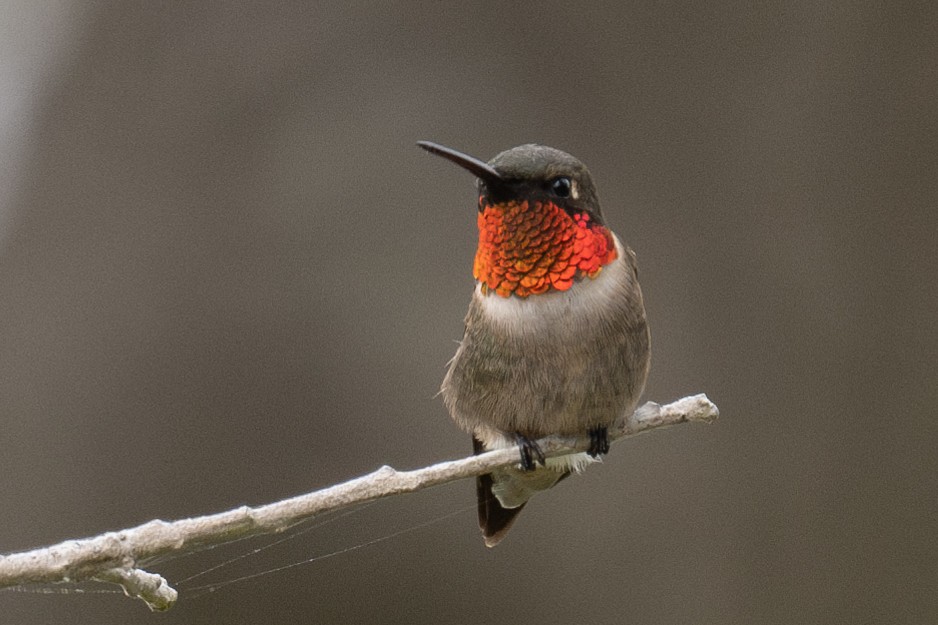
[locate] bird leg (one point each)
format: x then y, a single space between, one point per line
530 453
599 441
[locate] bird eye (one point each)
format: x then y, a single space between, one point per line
561 186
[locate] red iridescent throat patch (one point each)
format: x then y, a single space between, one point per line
530 248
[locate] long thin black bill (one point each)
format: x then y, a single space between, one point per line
480 168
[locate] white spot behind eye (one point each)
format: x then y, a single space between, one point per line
574 190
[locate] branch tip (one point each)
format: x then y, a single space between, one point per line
150 588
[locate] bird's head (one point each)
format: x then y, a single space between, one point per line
540 225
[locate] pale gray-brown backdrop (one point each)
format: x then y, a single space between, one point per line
227 276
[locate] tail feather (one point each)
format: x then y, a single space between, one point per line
494 519
503 493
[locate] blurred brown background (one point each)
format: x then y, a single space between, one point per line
227 276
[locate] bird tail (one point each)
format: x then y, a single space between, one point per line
502 495
494 519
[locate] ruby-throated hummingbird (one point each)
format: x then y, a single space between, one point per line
556 341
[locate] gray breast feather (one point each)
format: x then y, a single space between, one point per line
555 363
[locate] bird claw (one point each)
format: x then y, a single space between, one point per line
599 441
531 453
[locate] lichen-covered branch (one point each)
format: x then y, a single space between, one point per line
114 556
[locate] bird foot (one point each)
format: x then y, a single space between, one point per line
599 441
531 453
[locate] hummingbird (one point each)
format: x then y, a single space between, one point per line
556 341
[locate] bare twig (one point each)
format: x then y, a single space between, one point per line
113 556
